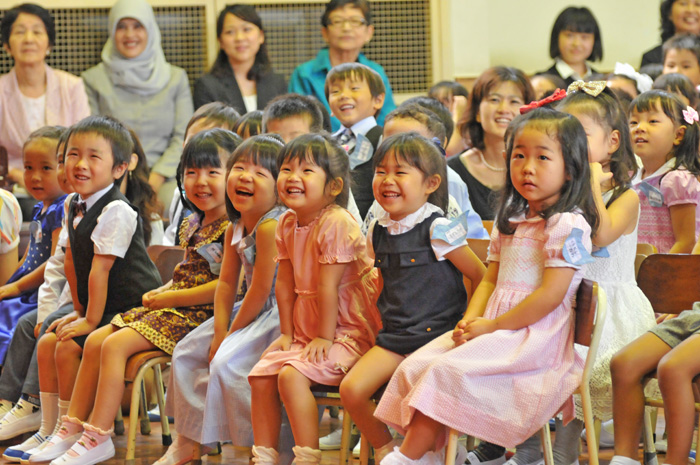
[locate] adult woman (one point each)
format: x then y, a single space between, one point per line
346 27
33 94
135 85
677 17
494 101
241 75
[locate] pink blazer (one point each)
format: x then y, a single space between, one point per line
66 103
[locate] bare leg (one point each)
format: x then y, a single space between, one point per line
46 350
266 410
372 371
295 391
676 372
116 350
420 436
628 367
83 398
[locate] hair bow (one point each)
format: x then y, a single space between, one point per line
644 82
592 88
690 115
556 96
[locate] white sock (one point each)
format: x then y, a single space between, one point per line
622 460
306 455
5 407
62 408
49 412
265 455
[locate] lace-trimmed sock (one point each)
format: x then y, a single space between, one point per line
92 437
306 455
265 455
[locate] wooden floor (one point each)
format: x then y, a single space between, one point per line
149 449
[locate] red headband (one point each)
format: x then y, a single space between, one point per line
556 96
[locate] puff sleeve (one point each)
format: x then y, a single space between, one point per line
557 230
680 187
339 238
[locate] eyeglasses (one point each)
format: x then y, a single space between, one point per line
340 22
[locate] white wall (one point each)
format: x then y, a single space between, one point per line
516 32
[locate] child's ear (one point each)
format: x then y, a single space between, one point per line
613 141
133 162
119 170
433 182
336 186
378 102
680 133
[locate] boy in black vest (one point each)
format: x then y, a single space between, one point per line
356 93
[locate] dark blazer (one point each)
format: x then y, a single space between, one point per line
569 80
222 87
655 55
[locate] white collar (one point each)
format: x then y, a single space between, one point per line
92 200
361 127
409 221
566 71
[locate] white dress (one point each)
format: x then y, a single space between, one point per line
629 316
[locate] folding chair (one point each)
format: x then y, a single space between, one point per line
591 305
670 282
329 395
646 249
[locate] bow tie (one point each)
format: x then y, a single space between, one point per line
79 208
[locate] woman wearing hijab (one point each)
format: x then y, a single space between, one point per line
135 85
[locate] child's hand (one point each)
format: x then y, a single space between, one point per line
458 333
9 290
162 299
598 176
215 344
665 317
79 327
317 350
283 343
478 327
148 297
61 322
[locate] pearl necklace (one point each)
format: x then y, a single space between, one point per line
492 168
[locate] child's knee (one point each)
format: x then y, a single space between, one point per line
673 370
350 392
67 351
290 380
46 347
622 367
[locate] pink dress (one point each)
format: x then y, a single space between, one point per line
677 187
333 237
503 386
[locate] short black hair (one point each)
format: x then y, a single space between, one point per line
288 105
112 130
451 87
355 71
677 83
220 114
30 8
249 124
689 42
576 19
46 132
362 5
437 107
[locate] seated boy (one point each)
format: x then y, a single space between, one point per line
356 94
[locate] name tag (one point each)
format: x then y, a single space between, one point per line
35 231
454 232
214 254
574 251
654 195
362 153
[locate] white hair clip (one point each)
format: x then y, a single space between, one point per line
643 81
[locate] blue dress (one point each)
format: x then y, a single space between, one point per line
41 229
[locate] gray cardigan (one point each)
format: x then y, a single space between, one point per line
159 120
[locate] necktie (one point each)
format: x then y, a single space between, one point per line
79 208
347 140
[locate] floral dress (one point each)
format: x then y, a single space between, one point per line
166 326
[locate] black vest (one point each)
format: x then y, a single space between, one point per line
129 278
363 175
422 297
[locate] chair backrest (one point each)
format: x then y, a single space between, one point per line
488 224
586 306
480 247
646 249
166 259
670 281
638 259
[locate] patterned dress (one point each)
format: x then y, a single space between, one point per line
333 237
41 229
166 326
503 386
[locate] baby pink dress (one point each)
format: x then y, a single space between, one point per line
503 386
677 187
333 237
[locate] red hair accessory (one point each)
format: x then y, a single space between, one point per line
556 96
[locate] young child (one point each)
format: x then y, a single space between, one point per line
19 295
495 100
515 340
168 314
326 292
575 40
356 93
208 116
106 263
446 91
682 55
409 184
10 224
235 338
671 349
679 84
545 84
292 115
665 136
249 125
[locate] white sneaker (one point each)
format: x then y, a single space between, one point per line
17 421
356 449
536 462
97 454
15 453
331 441
55 448
474 460
607 435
